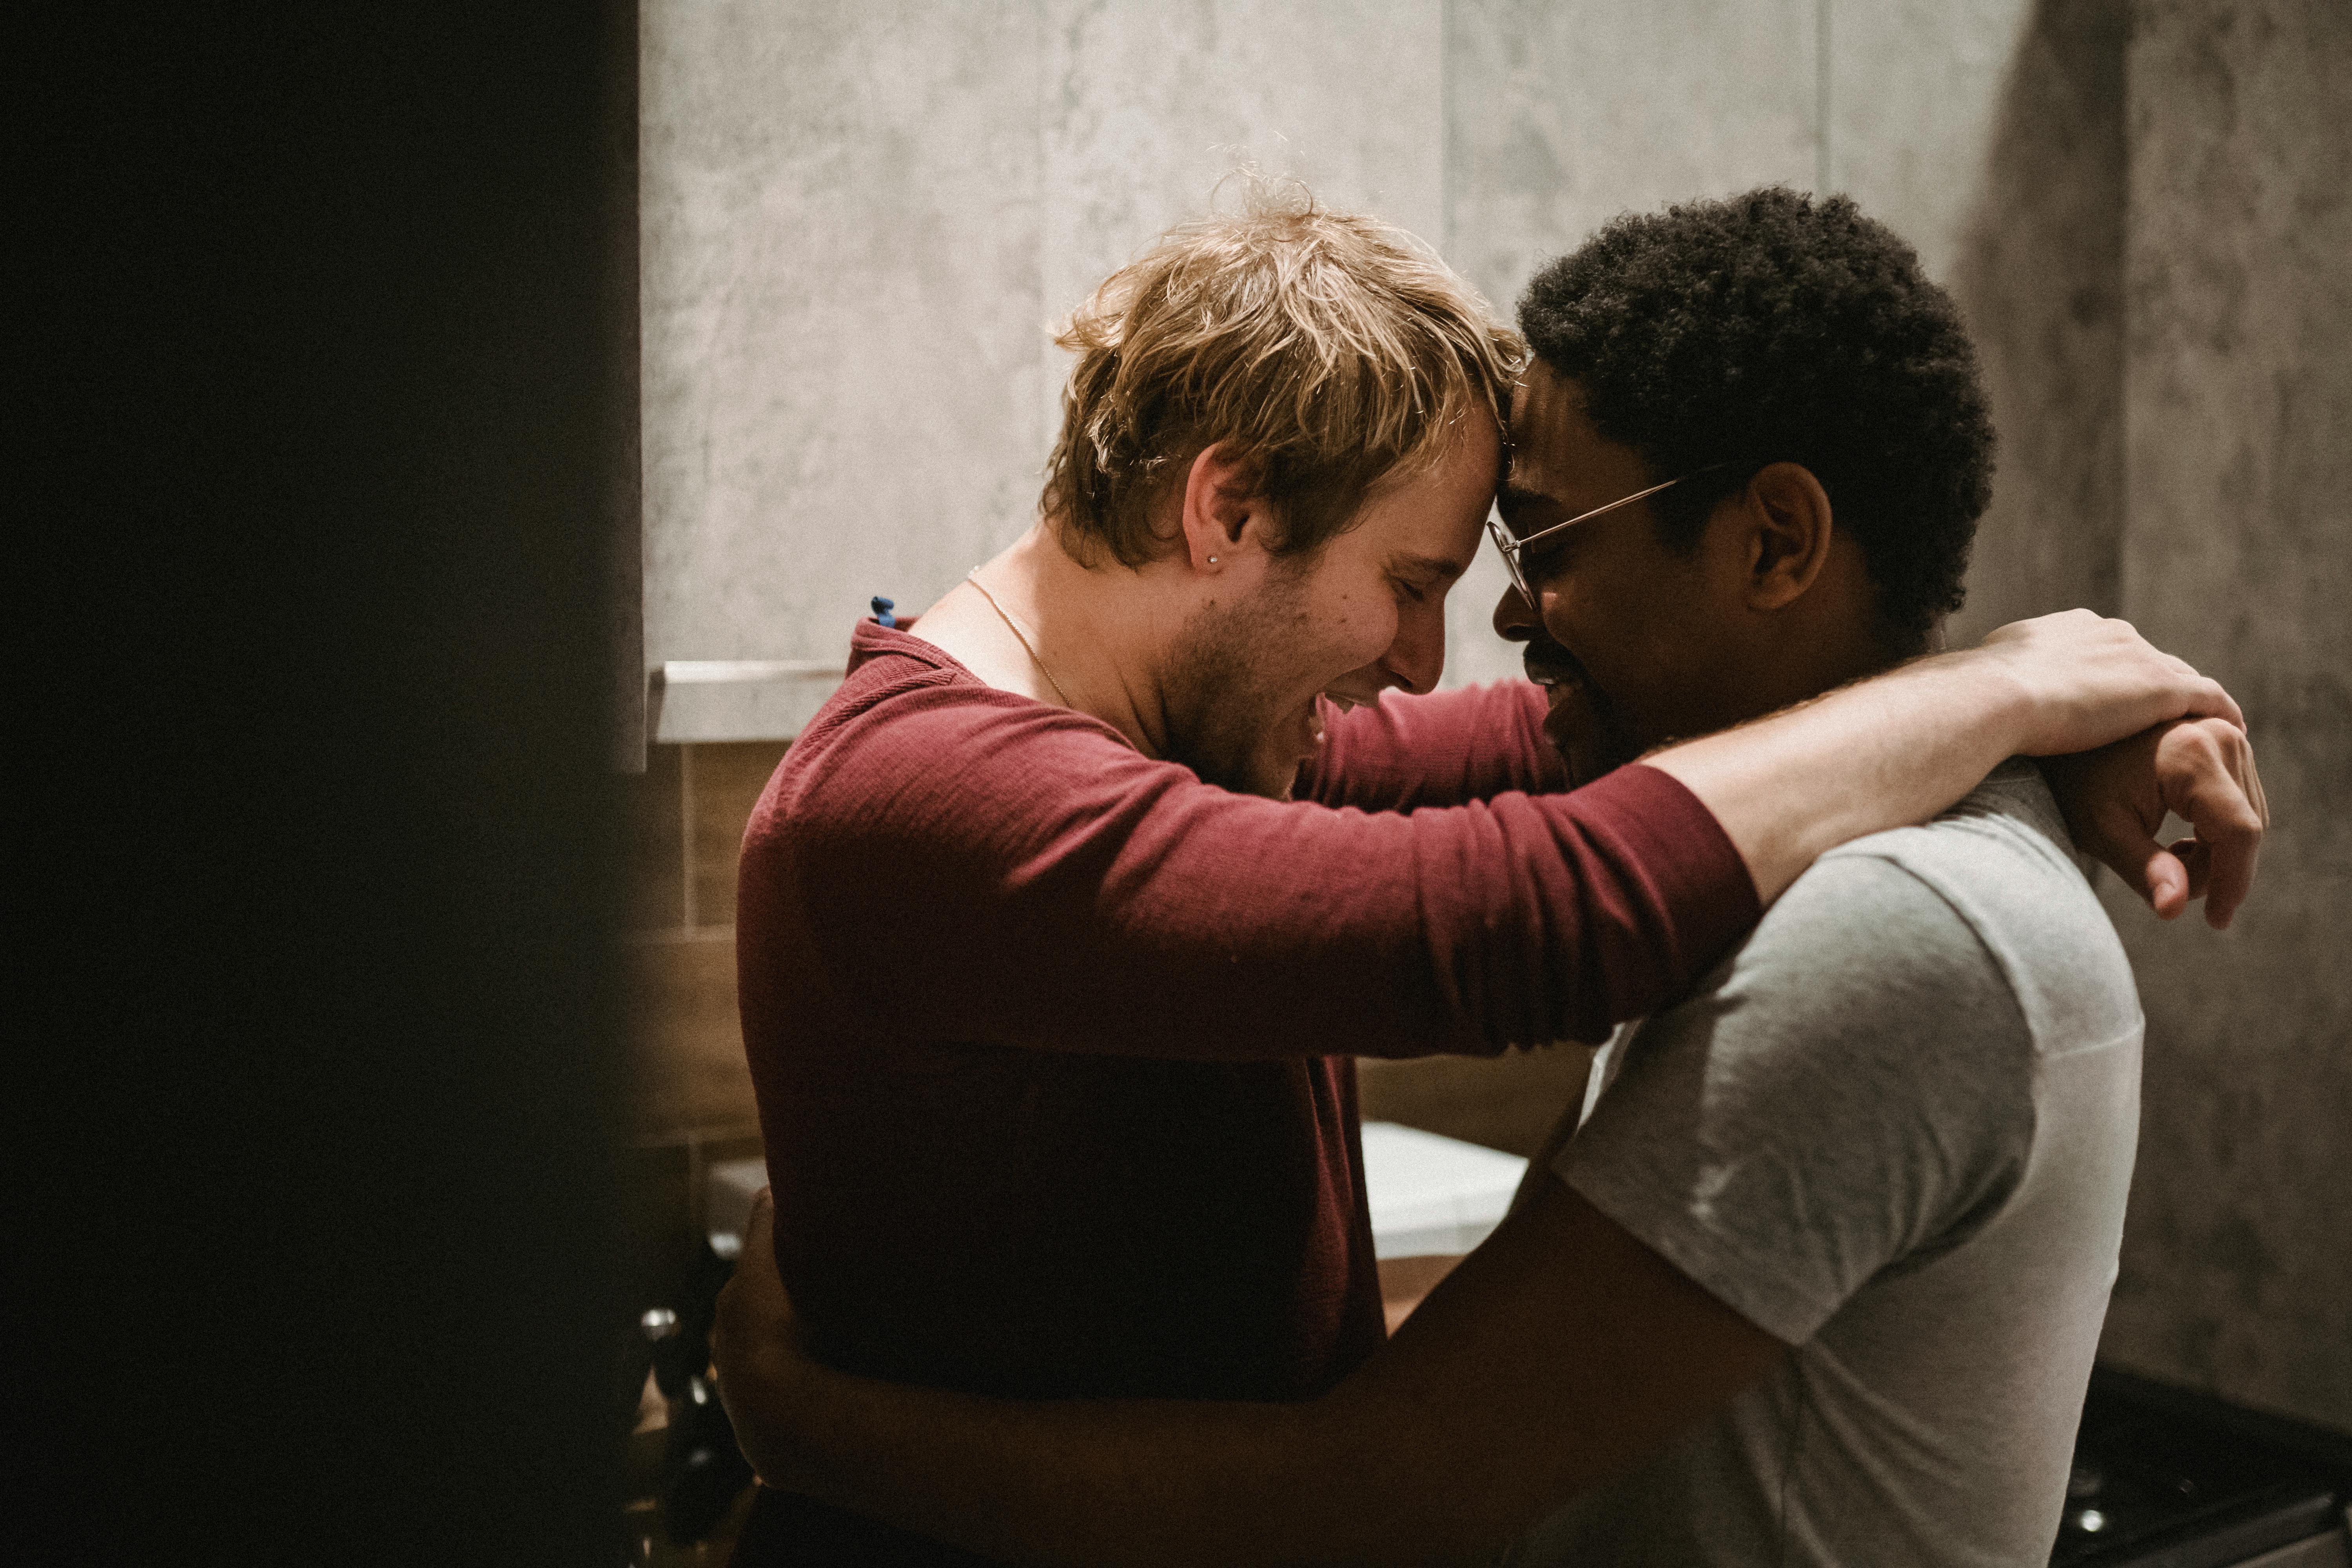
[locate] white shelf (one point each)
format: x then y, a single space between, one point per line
736 699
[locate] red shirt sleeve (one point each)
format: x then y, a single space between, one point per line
969 865
1443 749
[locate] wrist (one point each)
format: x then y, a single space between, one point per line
1988 696
771 1402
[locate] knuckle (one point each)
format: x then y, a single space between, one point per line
2234 829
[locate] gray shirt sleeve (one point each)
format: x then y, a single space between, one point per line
1846 1093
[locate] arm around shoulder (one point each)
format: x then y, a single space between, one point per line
1448 748
1899 747
1038 884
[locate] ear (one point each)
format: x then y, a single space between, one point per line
1223 513
1788 531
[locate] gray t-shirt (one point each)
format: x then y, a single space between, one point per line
1895 1131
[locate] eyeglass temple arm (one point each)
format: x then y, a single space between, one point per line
1519 544
1526 540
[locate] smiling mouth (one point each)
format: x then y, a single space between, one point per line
1311 728
1580 720
1557 671
1345 702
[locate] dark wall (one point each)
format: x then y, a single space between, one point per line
330 344
2040 273
2159 274
2237 554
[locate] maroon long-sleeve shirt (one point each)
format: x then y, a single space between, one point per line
1052 1043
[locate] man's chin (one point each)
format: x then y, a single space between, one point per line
1585 739
1267 771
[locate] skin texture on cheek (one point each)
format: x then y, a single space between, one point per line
1240 684
1647 627
1361 612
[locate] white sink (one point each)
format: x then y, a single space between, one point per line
1432 1193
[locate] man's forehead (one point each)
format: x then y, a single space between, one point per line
1535 458
1556 454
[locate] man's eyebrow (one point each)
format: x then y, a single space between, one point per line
1433 565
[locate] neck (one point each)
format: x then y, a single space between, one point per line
1803 675
1828 639
1101 634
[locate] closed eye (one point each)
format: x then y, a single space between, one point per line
1527 511
1547 557
1417 576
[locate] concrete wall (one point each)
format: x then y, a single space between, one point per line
2237 553
859 224
2036 260
842 299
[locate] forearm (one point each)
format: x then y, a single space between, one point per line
1406 753
1094 1483
1881 753
1901 746
1179 922
1558 1355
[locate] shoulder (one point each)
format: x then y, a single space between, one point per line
1998 867
1848 1085
1859 953
911 746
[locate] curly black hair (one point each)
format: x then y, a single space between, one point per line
1771 327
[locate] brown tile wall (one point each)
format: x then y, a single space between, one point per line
690 1093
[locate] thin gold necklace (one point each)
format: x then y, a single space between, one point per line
1013 626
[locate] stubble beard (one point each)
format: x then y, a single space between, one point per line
1220 704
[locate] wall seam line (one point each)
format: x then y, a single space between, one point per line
1822 157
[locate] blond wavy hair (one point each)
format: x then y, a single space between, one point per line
1329 350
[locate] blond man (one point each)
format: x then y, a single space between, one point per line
1060 926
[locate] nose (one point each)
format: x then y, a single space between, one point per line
1417 657
1514 619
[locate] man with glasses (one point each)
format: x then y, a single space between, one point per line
1059 925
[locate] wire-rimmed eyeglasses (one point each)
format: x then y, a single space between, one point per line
1511 547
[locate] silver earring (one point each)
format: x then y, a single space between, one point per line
1213 561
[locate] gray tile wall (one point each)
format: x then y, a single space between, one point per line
842 303
860 223
1560 117
2036 260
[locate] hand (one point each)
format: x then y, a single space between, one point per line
2089 680
755 1346
2116 798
